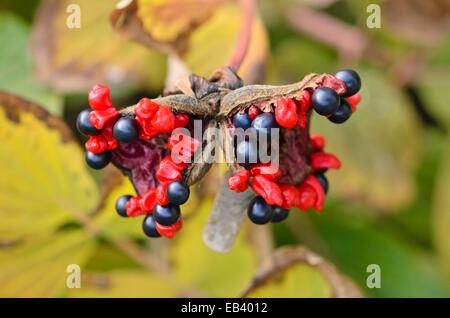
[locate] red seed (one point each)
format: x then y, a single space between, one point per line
146 130
267 189
161 194
107 133
182 146
148 200
267 170
133 207
170 230
308 197
286 113
318 142
354 101
169 170
303 105
99 98
291 196
253 112
239 182
181 120
99 118
96 144
312 181
145 108
163 120
321 160
334 83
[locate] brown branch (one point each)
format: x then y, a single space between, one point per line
244 36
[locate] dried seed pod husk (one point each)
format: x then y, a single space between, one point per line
214 101
194 95
292 141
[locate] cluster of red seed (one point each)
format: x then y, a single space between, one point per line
152 119
107 129
103 117
263 178
170 169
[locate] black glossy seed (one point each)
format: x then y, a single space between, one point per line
342 114
351 80
323 181
84 125
325 101
242 121
149 226
121 203
178 192
279 214
97 161
263 124
259 212
166 214
126 130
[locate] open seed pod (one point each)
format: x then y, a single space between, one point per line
144 141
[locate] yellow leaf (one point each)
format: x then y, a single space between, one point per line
168 20
202 33
44 178
297 272
74 59
379 147
213 43
37 266
198 267
123 283
441 214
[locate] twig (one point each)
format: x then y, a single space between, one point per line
243 41
351 41
127 246
348 40
134 252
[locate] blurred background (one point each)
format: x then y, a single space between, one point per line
388 205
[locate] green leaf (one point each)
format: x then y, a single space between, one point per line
433 85
379 146
16 71
353 241
44 181
441 215
291 54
